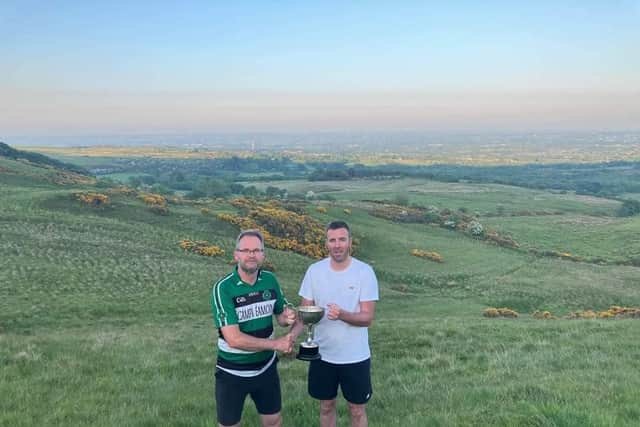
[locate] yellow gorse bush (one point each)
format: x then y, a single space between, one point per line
201 247
94 199
546 315
433 256
156 203
154 199
282 229
500 312
615 311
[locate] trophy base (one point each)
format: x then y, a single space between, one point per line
308 353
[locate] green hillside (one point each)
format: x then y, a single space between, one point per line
104 319
37 159
29 168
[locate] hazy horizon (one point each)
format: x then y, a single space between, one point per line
379 141
77 69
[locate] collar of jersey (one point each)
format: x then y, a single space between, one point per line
239 280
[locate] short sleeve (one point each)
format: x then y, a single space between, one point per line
224 314
306 288
369 290
280 299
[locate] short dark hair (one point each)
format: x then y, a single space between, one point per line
336 225
250 232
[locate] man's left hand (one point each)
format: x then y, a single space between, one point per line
334 312
290 316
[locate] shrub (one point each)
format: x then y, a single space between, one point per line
546 315
201 247
282 228
614 311
500 312
432 217
629 208
505 241
433 256
154 199
96 200
475 228
157 203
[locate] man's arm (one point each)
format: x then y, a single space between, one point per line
364 317
238 339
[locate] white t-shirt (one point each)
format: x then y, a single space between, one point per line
339 341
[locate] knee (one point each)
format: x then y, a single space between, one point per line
327 406
274 420
357 411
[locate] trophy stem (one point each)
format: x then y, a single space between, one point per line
310 333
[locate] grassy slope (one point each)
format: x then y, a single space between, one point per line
105 321
482 198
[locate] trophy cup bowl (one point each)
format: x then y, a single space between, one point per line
309 315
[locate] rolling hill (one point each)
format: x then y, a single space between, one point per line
104 318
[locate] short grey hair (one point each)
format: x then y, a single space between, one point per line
250 232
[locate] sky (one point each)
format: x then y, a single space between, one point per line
144 67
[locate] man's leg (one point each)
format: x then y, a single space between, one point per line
230 394
358 415
355 382
328 413
267 397
323 385
271 420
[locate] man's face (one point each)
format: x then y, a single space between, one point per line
338 244
249 254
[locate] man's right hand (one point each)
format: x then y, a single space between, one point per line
284 344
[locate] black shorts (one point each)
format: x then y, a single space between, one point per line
354 380
231 391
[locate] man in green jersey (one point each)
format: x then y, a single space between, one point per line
243 304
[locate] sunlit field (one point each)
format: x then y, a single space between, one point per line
105 320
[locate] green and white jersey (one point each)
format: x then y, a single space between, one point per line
251 307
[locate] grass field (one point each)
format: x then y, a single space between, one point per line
105 321
485 199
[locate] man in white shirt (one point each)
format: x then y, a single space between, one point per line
348 289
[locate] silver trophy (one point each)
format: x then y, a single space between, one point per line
309 315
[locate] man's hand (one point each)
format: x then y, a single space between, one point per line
334 311
284 344
363 317
290 315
